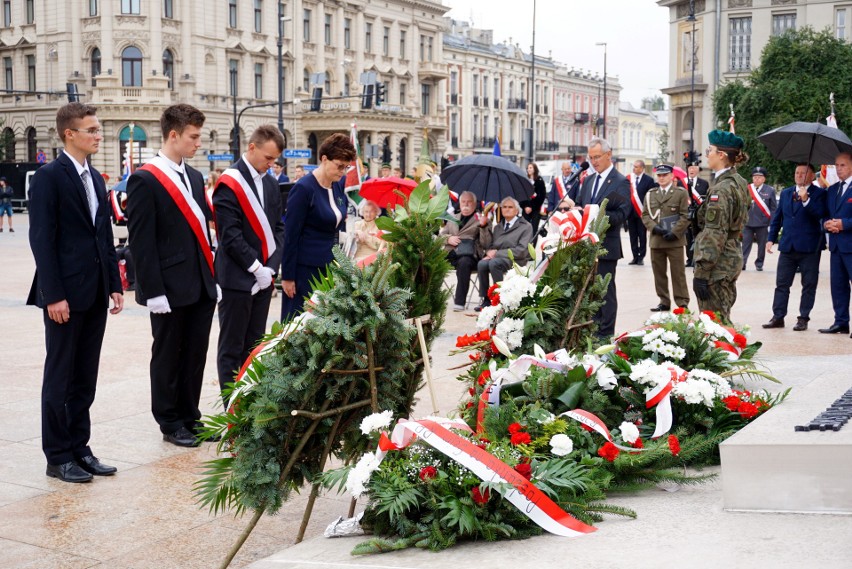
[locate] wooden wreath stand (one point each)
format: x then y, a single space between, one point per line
323 413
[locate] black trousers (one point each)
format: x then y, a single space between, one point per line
68 385
751 235
605 317
786 273
242 322
638 237
178 356
690 242
464 268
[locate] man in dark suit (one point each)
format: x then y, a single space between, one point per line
799 213
642 182
251 238
279 170
839 227
607 183
559 188
167 219
76 272
697 188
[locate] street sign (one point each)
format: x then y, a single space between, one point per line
41 157
220 157
297 153
309 167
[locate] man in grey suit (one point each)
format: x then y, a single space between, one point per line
763 205
513 233
609 184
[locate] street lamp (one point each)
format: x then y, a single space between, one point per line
604 96
281 19
531 132
691 18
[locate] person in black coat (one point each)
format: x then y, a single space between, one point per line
316 213
247 206
642 182
607 183
531 208
697 188
76 273
799 213
167 220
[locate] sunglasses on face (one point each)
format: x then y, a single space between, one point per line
564 208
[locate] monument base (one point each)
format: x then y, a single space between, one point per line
770 467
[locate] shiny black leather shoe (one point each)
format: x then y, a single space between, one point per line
775 323
835 329
92 465
182 438
661 308
68 472
801 324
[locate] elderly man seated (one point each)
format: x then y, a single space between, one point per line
511 233
463 249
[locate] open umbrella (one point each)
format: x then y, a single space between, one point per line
811 142
381 190
490 177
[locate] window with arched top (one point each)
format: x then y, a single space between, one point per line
96 65
131 67
169 67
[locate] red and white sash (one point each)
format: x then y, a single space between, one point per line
758 201
252 209
116 206
168 178
634 197
561 190
695 195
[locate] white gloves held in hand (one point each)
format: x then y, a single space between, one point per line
159 305
263 276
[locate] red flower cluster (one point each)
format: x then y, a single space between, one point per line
524 469
674 445
480 497
740 340
638 444
484 377
428 472
515 428
520 439
711 314
740 403
495 299
609 451
492 290
466 340
679 310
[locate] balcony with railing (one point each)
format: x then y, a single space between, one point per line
547 146
581 118
483 142
432 70
108 90
517 104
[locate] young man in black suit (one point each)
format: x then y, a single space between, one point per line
641 182
251 238
607 183
697 188
167 218
76 272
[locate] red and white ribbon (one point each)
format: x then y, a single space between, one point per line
561 190
116 206
634 198
595 423
570 227
523 494
252 209
758 201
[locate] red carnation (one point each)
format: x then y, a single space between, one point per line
515 428
609 451
428 472
495 300
484 377
472 391
748 410
732 402
469 405
674 445
483 335
740 340
520 439
711 314
480 497
679 310
638 443
491 290
524 470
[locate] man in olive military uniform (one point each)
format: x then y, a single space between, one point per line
665 214
718 254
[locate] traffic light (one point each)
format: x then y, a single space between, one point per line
691 157
367 97
380 93
316 100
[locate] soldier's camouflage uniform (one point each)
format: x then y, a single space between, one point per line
718 249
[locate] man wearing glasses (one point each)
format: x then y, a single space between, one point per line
76 274
513 233
607 183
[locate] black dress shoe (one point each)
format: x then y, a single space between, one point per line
801 324
92 465
690 264
640 262
484 304
774 323
68 472
661 308
759 269
182 438
633 262
835 329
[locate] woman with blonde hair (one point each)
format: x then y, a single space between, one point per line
366 232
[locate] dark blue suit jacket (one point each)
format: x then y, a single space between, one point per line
71 253
616 189
310 226
802 225
840 207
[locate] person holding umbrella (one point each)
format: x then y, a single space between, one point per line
721 218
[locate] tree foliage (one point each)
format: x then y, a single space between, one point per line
797 72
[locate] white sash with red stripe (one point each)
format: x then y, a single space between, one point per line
116 206
183 199
695 195
252 209
561 190
758 201
634 198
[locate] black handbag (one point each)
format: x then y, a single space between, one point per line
466 248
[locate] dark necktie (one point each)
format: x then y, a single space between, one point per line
183 181
595 189
91 198
505 226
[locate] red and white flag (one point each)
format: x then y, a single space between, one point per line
731 121
353 175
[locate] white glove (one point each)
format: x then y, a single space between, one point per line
263 276
218 294
159 305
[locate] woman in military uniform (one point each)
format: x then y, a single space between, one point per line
718 250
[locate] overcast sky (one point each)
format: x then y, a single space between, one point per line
636 33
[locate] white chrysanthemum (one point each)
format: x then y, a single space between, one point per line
360 474
606 378
661 318
512 331
695 391
560 444
649 373
376 421
629 432
486 317
713 329
720 384
670 336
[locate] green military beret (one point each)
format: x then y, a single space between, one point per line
724 139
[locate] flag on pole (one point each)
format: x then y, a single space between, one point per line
496 151
354 174
828 172
732 120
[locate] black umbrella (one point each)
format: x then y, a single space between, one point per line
810 142
490 177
